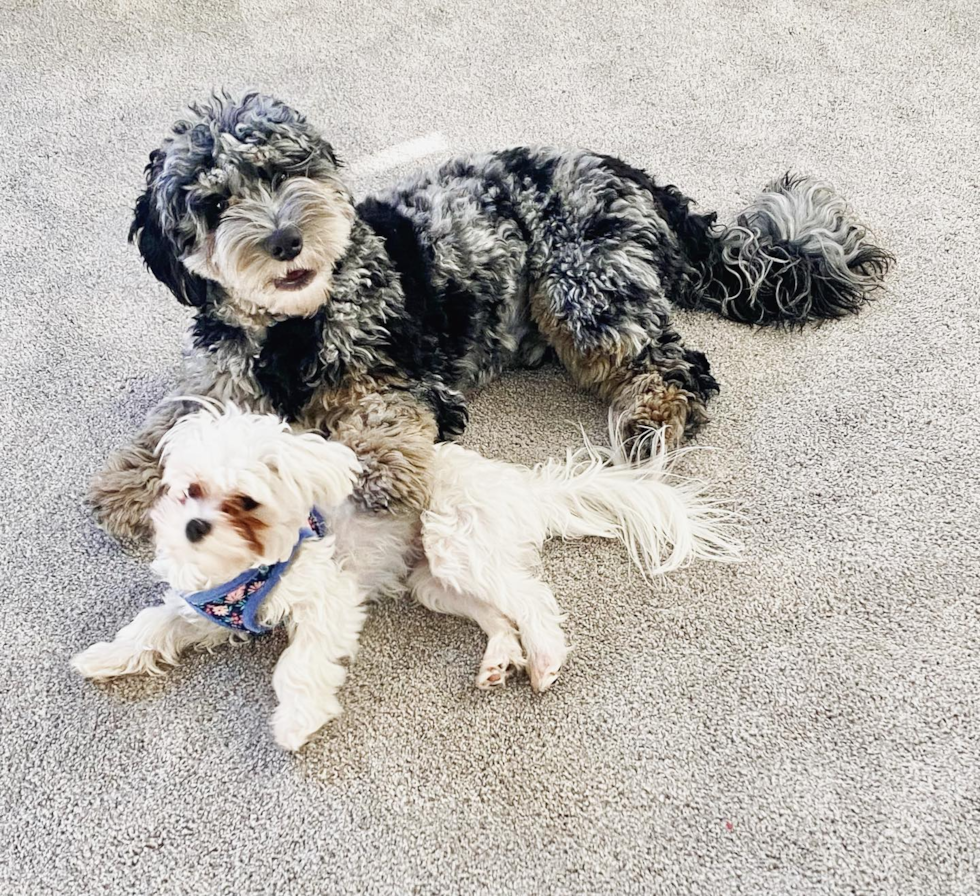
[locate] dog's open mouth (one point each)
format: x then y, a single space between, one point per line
298 279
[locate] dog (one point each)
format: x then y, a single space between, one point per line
370 321
257 528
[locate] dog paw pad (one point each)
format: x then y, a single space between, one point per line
491 677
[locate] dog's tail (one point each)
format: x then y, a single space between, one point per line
663 520
797 253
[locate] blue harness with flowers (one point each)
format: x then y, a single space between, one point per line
236 604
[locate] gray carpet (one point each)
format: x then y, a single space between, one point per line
804 723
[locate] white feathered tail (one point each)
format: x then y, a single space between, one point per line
663 520
487 520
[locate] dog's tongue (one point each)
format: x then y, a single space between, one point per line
293 276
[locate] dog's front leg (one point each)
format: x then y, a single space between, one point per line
151 642
326 612
393 430
123 491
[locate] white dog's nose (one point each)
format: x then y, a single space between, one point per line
197 529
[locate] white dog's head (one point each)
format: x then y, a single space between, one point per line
239 488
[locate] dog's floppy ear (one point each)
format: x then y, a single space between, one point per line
160 255
321 469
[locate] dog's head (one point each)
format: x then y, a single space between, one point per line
245 194
239 487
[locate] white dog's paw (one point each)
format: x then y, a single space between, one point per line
109 659
503 655
293 728
543 669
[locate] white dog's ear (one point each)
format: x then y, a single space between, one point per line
337 470
323 469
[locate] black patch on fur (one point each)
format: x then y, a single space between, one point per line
209 331
499 203
426 342
527 169
602 227
674 206
448 406
289 368
405 251
681 271
160 256
437 328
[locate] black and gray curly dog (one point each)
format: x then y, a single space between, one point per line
369 321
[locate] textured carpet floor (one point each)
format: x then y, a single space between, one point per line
804 723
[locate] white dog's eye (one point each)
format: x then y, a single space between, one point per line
248 503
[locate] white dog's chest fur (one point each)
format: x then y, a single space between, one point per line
375 553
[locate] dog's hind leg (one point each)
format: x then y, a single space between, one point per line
498 603
600 300
503 653
533 606
643 370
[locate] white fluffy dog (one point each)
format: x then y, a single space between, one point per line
256 530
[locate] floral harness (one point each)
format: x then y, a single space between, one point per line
236 604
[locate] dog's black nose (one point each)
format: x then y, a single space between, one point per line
197 529
284 243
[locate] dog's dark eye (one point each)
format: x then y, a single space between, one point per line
212 208
195 491
248 503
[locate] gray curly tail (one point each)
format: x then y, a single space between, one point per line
797 253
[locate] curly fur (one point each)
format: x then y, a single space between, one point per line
797 253
436 286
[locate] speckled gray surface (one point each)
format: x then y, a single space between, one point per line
804 723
